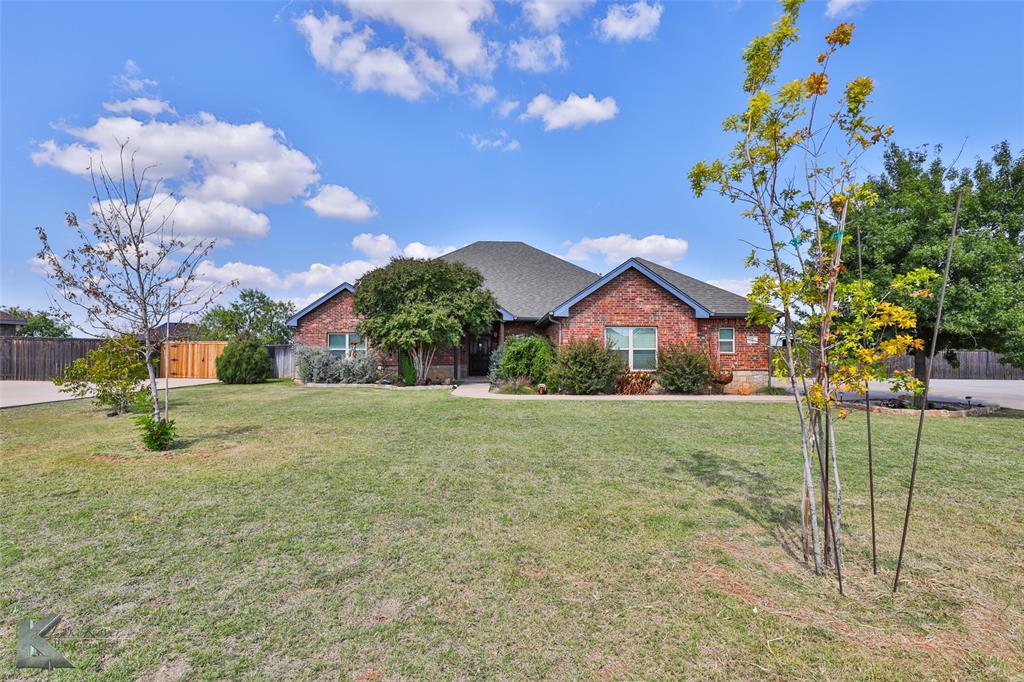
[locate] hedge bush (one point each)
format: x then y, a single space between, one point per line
319 366
684 370
586 367
244 361
524 356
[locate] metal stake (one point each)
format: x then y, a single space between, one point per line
927 381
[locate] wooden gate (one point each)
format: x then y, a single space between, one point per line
191 359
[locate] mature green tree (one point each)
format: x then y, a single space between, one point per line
39 324
908 227
254 314
418 306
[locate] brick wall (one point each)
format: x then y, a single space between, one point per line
751 343
333 316
633 300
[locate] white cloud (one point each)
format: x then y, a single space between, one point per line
336 47
193 218
323 276
248 164
130 79
218 219
632 22
144 105
537 54
501 142
381 247
376 246
335 201
736 286
301 302
483 93
245 274
448 25
574 112
546 15
836 8
420 250
433 70
508 106
620 247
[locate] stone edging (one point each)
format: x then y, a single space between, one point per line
969 412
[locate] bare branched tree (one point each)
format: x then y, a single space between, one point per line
130 272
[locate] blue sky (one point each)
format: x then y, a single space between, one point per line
316 140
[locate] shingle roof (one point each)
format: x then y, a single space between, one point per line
526 281
719 302
7 318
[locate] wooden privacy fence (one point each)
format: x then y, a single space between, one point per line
27 358
283 357
191 359
974 364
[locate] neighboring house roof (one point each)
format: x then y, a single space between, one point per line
293 321
526 281
7 318
705 299
176 330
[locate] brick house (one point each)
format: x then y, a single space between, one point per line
640 307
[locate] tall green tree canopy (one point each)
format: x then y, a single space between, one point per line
254 314
909 226
418 306
39 324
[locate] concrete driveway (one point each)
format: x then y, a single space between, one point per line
1005 393
16 393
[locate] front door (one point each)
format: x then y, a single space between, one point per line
479 355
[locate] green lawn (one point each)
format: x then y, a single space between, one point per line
319 533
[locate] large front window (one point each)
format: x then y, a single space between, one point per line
637 346
346 345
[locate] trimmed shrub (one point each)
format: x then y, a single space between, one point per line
634 383
586 367
318 366
526 356
684 370
359 369
113 374
244 361
156 435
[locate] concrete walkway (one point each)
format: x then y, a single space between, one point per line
18 393
482 390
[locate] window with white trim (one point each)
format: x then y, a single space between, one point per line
726 340
637 346
346 344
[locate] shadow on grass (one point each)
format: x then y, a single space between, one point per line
751 495
213 437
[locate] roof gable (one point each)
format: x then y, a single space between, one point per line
293 321
719 302
563 309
